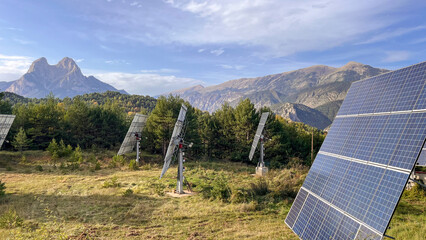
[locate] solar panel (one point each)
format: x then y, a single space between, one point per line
360 172
422 158
177 131
258 133
5 124
136 127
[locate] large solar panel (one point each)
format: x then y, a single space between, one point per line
5 124
177 131
259 131
360 172
136 127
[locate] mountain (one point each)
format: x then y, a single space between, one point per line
320 88
64 79
301 113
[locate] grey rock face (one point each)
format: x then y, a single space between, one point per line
64 79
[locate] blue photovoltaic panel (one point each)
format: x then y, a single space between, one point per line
358 176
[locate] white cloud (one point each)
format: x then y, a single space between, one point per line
217 52
79 60
117 61
397 56
282 28
391 34
235 67
144 83
201 50
13 67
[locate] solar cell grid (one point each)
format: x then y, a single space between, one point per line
129 142
422 158
365 161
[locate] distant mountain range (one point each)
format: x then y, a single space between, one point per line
311 95
63 80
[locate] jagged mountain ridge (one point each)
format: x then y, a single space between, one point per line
314 87
64 79
298 86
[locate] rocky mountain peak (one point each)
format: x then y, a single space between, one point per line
38 65
64 79
68 64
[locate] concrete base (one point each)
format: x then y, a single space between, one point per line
177 195
261 171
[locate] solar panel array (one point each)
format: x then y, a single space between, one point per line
358 176
177 131
259 131
422 158
5 124
136 127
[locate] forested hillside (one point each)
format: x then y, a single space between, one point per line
131 103
101 121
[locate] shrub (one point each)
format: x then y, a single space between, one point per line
218 189
113 182
2 189
128 193
260 187
117 160
158 188
77 156
133 165
10 220
97 166
39 168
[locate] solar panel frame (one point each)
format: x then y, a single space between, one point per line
258 133
137 126
177 131
6 122
376 149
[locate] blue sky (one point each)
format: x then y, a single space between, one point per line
153 46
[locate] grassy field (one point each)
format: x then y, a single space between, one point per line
63 202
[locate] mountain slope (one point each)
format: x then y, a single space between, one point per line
64 79
302 113
315 86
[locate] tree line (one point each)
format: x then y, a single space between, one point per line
225 134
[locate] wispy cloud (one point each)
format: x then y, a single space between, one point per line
145 83
217 52
79 60
392 34
12 67
117 61
234 67
397 56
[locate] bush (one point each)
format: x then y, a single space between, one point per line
113 182
77 156
260 187
10 220
97 166
218 189
117 160
158 188
128 193
133 165
39 168
2 189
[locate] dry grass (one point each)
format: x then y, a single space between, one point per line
75 204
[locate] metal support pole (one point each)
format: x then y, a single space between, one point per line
137 151
179 187
261 162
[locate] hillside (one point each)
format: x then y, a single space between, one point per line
314 87
131 103
64 79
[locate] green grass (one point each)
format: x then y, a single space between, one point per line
119 203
